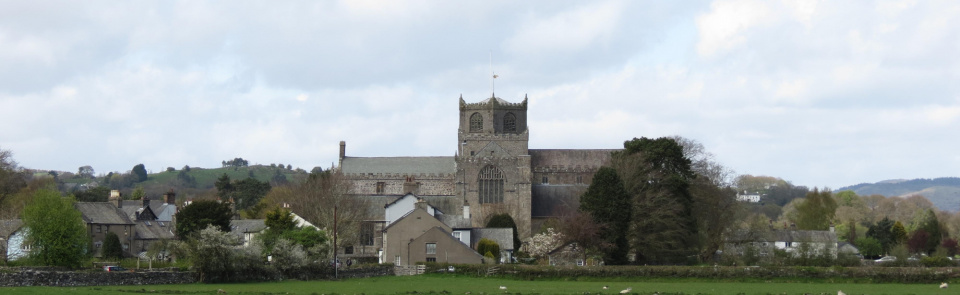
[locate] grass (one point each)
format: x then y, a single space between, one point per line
437 284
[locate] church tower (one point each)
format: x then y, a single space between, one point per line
493 161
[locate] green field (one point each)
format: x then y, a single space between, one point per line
431 284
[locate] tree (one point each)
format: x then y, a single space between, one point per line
899 233
56 232
869 247
505 221
248 192
140 172
607 202
316 198
881 231
12 178
540 244
657 175
917 243
111 246
224 187
202 213
931 225
278 221
85 171
582 229
138 193
816 211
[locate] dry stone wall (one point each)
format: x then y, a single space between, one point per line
22 277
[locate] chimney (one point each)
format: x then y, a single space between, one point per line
116 198
421 204
466 210
410 186
170 197
833 229
146 202
343 152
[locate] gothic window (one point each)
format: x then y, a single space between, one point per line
509 123
366 234
476 122
490 186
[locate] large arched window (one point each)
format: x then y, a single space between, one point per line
509 123
490 185
476 122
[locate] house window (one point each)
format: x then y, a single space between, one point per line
510 123
431 248
580 262
456 235
431 259
396 260
99 229
380 187
98 244
366 234
490 185
125 246
476 122
348 250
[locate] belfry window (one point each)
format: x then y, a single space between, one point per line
490 186
509 123
476 122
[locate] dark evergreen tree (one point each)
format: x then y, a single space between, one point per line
932 226
111 246
140 172
248 192
224 187
657 175
608 203
200 214
881 231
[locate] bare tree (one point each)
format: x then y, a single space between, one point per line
12 179
318 197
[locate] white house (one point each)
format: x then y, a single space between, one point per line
12 240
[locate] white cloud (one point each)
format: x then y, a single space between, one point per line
566 31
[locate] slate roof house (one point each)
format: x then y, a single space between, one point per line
797 242
418 236
13 244
104 217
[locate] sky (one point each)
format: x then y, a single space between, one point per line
819 93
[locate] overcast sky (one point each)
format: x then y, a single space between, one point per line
818 93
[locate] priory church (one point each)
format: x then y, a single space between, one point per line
493 171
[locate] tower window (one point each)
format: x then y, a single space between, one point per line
509 123
380 187
545 180
476 122
490 185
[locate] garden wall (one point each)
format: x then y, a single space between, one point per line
20 277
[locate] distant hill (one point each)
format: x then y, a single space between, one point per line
943 192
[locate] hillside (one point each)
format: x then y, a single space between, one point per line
943 192
158 183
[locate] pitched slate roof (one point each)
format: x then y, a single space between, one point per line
240 227
102 213
454 221
819 236
154 230
8 227
398 165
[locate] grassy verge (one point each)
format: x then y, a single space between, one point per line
453 284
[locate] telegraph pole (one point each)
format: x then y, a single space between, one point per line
336 262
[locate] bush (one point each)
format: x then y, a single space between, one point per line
936 261
489 246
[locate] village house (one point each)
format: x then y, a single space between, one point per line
418 236
13 244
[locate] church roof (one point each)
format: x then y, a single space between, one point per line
570 157
499 100
398 165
